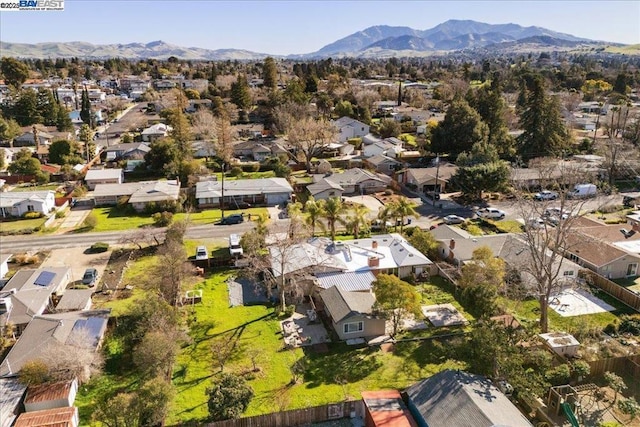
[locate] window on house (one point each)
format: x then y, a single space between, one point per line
568 273
30 208
350 328
332 193
390 167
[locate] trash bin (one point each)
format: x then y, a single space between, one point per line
408 221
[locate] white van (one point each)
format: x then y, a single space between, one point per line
581 191
234 246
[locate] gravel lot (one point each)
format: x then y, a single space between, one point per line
78 261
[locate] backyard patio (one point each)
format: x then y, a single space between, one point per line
303 328
577 302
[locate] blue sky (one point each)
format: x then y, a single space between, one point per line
287 27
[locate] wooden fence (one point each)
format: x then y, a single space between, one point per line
296 417
625 365
620 293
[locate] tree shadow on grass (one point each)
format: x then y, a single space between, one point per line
427 352
341 364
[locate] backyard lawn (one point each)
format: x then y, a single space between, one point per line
44 187
341 373
116 219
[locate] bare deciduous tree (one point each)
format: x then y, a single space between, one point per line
75 358
145 236
310 137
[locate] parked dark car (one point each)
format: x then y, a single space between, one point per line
232 219
90 277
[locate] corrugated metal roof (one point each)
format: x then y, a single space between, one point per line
350 281
48 392
11 392
59 417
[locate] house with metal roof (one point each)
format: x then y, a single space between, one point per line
103 176
47 330
60 394
262 192
351 313
11 394
461 399
20 202
30 293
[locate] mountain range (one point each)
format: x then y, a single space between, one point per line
380 40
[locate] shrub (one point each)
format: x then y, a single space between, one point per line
60 214
630 324
90 221
288 312
559 375
99 247
388 192
165 206
162 219
32 215
250 167
236 171
24 259
34 372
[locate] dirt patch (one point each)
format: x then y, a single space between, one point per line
24 260
387 348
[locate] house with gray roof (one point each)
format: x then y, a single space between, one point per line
20 202
351 313
55 329
29 293
140 194
424 179
352 181
129 151
11 394
383 164
261 192
103 176
325 189
155 132
75 300
461 399
350 128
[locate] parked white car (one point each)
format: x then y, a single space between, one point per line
546 195
491 213
535 223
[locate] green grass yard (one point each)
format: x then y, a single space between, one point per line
116 219
21 224
44 187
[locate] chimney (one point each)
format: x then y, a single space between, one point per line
374 262
374 244
452 244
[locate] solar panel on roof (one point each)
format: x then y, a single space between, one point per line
45 278
92 326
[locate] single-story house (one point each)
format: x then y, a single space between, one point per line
352 181
265 191
260 152
4 264
383 164
351 313
385 253
55 329
350 128
424 179
461 399
203 149
197 104
129 151
338 149
246 148
154 132
20 202
605 259
30 292
140 193
75 300
27 139
385 147
103 176
51 395
58 417
11 395
325 189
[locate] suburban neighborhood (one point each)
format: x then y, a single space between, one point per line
442 240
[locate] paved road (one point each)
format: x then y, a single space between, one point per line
35 242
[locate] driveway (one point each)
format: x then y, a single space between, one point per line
369 202
78 261
75 218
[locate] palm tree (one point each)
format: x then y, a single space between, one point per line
333 208
294 209
314 211
384 214
403 208
358 220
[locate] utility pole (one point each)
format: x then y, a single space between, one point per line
222 198
436 188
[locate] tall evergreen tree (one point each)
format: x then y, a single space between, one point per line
544 133
15 72
25 110
270 73
240 94
490 104
47 107
85 109
461 128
